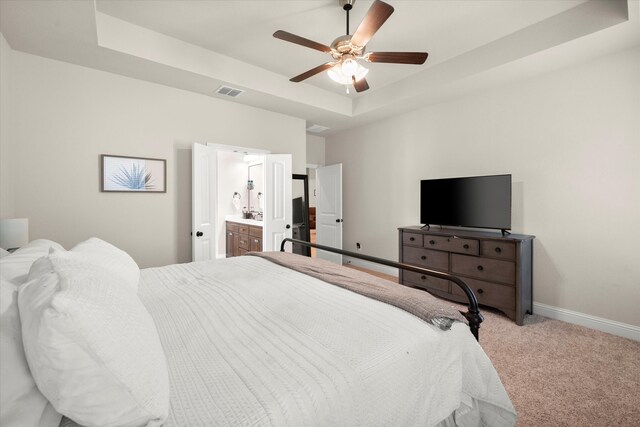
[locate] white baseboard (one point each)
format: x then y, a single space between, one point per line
605 325
371 266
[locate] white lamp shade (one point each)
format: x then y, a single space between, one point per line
339 75
14 233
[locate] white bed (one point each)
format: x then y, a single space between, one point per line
248 342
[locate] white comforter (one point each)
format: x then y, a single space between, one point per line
252 343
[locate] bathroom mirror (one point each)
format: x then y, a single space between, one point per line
255 195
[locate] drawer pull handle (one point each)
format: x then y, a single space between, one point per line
423 277
432 242
480 268
411 239
498 250
423 257
480 290
466 246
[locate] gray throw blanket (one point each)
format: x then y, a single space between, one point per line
419 303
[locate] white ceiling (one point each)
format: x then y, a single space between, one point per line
198 45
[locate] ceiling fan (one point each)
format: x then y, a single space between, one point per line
348 49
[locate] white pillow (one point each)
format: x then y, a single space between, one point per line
106 256
15 267
92 347
21 403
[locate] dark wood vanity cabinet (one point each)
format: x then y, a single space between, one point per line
242 238
255 239
497 268
232 239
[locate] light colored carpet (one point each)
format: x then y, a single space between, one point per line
558 374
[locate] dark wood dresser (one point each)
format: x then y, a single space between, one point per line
497 268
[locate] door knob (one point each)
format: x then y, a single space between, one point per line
199 234
288 226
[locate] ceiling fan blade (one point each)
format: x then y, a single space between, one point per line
376 16
360 85
292 38
312 72
397 57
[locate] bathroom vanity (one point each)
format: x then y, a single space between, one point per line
243 235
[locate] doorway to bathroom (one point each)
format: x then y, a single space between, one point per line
226 186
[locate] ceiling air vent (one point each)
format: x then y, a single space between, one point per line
229 91
316 128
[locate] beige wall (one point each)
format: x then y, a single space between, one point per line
315 150
7 200
64 116
571 140
316 157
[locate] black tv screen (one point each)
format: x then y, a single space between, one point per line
478 201
298 210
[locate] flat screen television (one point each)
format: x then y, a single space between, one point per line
475 201
298 210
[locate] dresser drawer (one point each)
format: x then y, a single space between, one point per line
243 241
255 231
492 270
424 281
232 226
412 239
452 244
426 258
489 293
243 229
496 249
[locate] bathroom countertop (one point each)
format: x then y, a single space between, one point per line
239 219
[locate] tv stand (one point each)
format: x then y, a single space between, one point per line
497 266
504 232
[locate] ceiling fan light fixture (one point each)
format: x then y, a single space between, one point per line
348 49
337 73
349 66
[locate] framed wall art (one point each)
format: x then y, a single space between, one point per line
122 174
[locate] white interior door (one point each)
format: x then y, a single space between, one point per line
277 201
329 210
204 194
